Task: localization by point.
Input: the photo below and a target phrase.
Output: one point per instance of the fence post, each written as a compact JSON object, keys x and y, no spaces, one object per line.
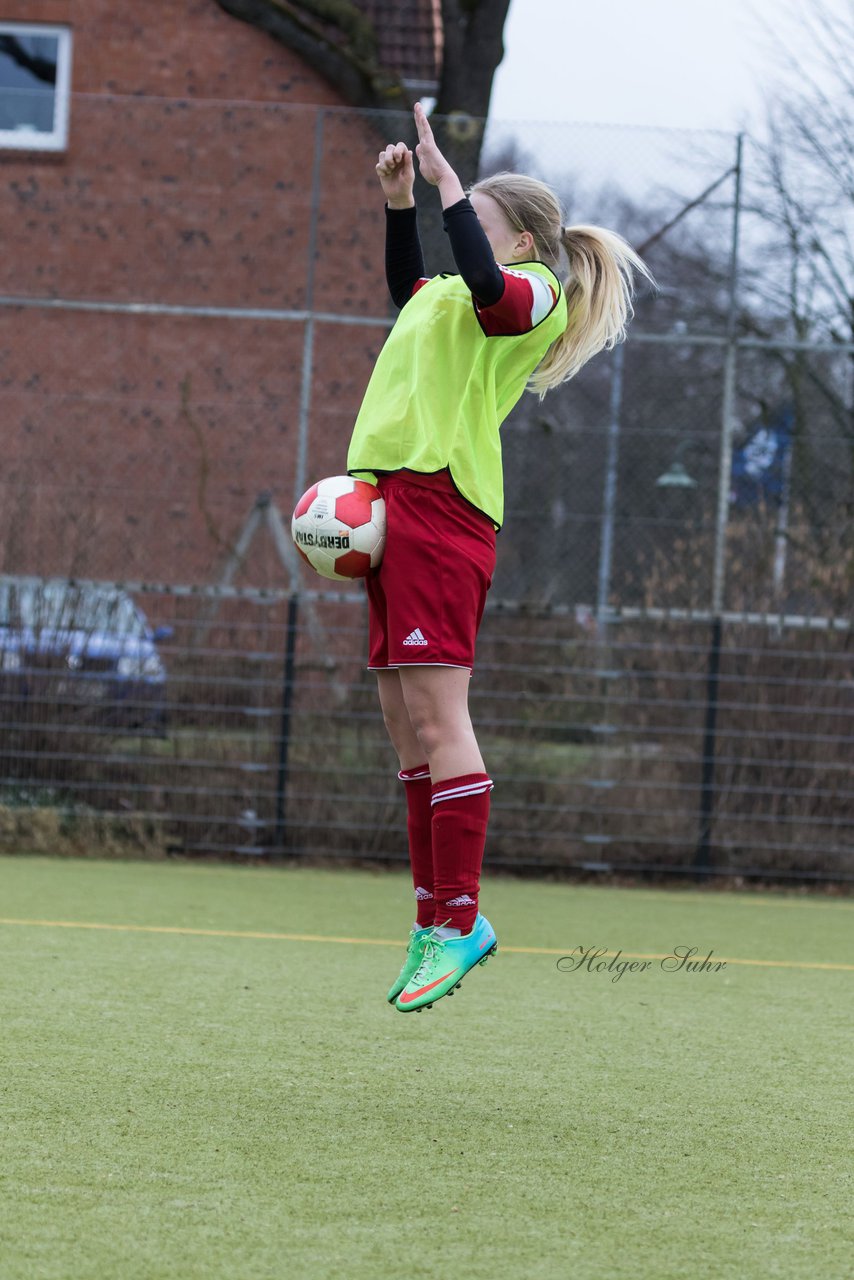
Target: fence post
{"x":301,"y":467}
{"x":703,"y":853}
{"x":609,"y":496}
{"x":285,"y":724}
{"x":728,"y":405}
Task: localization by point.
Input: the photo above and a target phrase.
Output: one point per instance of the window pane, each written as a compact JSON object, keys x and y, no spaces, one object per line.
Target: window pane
{"x":28,"y":66}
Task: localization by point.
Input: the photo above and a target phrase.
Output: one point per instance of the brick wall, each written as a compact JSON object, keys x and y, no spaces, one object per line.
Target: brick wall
{"x":136,"y":444}
{"x":174,"y":49}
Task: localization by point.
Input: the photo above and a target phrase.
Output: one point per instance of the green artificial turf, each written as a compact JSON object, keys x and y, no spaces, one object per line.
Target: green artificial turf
{"x":210,"y":1105}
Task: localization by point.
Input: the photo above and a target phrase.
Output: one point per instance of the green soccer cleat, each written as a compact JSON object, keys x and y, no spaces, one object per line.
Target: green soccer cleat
{"x":414,"y":956}
{"x":444,"y":964}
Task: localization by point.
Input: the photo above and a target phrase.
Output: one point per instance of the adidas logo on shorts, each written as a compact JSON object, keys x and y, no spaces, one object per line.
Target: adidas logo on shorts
{"x":416,"y":637}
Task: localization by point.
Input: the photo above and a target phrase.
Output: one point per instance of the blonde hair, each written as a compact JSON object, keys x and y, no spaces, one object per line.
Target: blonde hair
{"x":599,"y":285}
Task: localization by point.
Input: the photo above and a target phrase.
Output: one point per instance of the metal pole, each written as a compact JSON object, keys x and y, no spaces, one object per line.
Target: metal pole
{"x":609,"y":497}
{"x":285,"y":724}
{"x":702,"y":857}
{"x":703,"y":853}
{"x":300,"y":470}
{"x":781,"y":534}
{"x":727,"y":423}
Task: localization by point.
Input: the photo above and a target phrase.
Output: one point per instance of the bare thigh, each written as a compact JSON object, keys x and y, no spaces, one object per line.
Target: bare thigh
{"x":436,"y":700}
{"x":397,"y":722}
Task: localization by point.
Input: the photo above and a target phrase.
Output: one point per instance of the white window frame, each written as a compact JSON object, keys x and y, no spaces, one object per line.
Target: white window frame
{"x":32,"y":139}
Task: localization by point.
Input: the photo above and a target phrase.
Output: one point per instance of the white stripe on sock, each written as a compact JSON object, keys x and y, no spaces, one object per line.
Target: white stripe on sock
{"x":455,"y":793}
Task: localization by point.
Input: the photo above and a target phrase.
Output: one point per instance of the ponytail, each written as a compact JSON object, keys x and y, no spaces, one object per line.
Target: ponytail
{"x":599,"y":290}
{"x":600,"y":283}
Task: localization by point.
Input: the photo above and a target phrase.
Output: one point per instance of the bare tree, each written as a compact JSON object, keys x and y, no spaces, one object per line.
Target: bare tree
{"x":805,"y":192}
{"x":802,"y":274}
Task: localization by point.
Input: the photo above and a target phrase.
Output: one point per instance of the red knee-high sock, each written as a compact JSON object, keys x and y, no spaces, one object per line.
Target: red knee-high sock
{"x":419,"y":829}
{"x":460,"y":817}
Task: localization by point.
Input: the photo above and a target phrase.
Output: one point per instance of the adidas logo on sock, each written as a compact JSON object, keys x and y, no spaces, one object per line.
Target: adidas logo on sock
{"x":416,"y":637}
{"x":462,"y":901}
{"x":421,"y":895}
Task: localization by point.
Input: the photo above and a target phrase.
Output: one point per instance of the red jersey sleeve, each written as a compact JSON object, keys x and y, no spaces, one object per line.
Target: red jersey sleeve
{"x":527,"y":299}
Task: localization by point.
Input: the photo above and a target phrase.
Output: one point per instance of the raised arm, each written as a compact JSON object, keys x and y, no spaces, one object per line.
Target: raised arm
{"x":404,"y":262}
{"x":470,"y":247}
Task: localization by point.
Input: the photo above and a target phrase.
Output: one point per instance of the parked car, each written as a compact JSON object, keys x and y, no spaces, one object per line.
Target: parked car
{"x":69,"y":647}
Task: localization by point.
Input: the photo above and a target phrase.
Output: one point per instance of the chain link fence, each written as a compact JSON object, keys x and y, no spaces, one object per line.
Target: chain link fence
{"x":190,"y":306}
{"x":690,"y":745}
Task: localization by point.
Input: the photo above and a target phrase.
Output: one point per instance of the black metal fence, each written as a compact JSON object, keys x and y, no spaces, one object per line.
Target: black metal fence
{"x":673,"y":743}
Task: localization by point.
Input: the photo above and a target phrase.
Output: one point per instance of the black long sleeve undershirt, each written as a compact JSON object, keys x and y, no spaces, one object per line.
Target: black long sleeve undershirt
{"x":473,"y":253}
{"x":404,"y":261}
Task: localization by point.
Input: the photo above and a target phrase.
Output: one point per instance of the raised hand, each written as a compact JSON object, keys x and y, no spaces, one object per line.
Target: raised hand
{"x":396,"y":173}
{"x":433,"y":165}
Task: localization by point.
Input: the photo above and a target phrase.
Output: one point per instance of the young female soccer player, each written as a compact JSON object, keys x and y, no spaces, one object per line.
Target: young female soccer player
{"x":458,"y":358}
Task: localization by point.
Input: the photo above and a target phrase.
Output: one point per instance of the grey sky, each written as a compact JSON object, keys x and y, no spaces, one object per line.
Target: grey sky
{"x":683,"y":63}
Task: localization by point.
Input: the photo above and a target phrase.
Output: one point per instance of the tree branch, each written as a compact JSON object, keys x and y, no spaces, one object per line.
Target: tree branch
{"x":335,"y":39}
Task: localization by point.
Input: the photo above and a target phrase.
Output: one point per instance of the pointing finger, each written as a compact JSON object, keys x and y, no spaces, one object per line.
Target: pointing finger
{"x":425,"y":133}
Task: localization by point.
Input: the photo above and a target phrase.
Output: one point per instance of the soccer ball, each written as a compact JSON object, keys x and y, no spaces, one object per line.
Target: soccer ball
{"x":338,"y":527}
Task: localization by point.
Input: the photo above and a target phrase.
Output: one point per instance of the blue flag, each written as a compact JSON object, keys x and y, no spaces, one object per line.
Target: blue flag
{"x":759,"y":466}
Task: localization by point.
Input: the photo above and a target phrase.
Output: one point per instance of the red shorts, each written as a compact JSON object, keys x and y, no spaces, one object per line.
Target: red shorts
{"x":426,"y":599}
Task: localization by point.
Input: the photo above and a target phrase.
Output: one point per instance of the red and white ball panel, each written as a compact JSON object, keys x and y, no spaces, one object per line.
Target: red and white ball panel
{"x":339,"y":527}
